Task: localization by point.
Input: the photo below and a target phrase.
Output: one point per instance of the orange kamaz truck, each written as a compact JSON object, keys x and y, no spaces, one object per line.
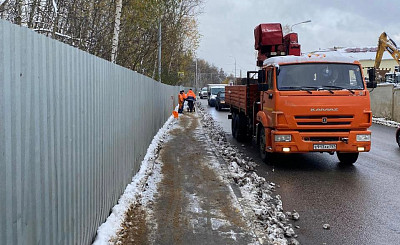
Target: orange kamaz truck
{"x":316,"y":102}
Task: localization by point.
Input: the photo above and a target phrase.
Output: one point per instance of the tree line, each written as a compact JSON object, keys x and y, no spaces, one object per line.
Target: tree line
{"x":121,"y":31}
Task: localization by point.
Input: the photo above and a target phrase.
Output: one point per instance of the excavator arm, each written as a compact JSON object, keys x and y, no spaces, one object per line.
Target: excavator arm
{"x":386,"y":43}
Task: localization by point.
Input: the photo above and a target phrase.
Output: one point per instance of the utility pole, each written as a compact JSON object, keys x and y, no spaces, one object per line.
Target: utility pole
{"x":159,"y":50}
{"x":195,"y":79}
{"x":235,"y":68}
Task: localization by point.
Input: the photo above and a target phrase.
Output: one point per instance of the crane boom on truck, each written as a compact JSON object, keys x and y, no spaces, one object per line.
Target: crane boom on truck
{"x":301,"y":103}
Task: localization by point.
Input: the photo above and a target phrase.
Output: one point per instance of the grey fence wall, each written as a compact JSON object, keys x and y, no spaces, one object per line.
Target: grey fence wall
{"x":385,"y":102}
{"x":73,"y":131}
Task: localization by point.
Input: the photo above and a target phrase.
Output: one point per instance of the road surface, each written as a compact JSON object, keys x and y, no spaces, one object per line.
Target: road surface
{"x":361,"y":203}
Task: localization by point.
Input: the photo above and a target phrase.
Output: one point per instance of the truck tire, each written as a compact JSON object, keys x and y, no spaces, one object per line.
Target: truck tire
{"x":240,"y":127}
{"x":347,"y":158}
{"x":236,"y":127}
{"x":398,"y":137}
{"x":233,"y":124}
{"x":263,"y":153}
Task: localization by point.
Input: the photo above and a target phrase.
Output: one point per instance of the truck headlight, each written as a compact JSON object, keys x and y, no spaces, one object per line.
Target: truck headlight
{"x":363,"y":137}
{"x":283,"y":138}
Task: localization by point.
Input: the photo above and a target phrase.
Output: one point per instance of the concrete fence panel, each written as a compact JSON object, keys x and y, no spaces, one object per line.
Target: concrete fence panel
{"x":396,"y":105}
{"x":73,"y":131}
{"x":382,"y":101}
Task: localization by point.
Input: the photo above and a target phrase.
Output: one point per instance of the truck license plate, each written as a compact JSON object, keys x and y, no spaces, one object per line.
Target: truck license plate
{"x":325,"y":147}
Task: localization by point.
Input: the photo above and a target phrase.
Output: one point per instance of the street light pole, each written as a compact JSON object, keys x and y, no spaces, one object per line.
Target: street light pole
{"x":303,"y":22}
{"x":235,"y":66}
{"x":195,"y":80}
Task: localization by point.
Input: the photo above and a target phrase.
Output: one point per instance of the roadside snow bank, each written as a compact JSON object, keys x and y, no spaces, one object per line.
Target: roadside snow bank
{"x":386,"y":122}
{"x":265,"y":208}
{"x":134,"y":191}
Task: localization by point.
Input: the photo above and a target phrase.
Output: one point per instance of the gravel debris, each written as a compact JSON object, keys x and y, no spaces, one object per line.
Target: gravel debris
{"x":326,"y":226}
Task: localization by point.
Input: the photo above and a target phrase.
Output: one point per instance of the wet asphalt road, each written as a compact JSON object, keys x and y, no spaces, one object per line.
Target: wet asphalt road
{"x":361,"y":203}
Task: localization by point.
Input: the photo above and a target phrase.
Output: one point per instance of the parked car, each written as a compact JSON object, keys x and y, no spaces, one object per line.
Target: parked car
{"x":398,"y":136}
{"x":203,"y":93}
{"x":212,"y":91}
{"x":220,"y":101}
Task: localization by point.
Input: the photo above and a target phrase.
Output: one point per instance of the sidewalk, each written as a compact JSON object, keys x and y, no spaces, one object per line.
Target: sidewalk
{"x":200,"y":191}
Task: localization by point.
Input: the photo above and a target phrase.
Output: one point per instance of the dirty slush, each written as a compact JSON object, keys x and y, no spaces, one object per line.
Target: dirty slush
{"x":209,"y":193}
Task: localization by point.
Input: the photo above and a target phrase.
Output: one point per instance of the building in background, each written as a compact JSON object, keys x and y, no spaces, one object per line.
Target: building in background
{"x":366,"y":56}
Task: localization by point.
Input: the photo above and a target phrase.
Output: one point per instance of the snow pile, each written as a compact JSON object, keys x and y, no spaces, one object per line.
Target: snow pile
{"x":256,"y":191}
{"x":141,"y":189}
{"x":386,"y":122}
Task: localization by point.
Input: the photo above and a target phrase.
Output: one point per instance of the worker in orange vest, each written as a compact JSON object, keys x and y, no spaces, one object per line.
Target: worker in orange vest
{"x":191,"y":97}
{"x":184,"y":99}
{"x":181,"y":100}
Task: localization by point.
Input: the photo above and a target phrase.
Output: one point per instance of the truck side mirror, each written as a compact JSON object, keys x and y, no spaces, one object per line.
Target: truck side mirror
{"x":263,"y":87}
{"x":261,"y":76}
{"x":372,"y":78}
{"x":372,"y":74}
{"x":372,"y":84}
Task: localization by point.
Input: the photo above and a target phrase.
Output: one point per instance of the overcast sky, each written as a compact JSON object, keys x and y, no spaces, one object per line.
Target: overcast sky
{"x":227,"y":26}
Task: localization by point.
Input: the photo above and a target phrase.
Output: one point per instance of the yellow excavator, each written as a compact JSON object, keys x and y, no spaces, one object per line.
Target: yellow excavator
{"x":385,"y":43}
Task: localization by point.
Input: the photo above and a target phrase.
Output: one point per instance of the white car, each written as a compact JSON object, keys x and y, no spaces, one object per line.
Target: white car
{"x":203,"y":93}
{"x":213,"y":91}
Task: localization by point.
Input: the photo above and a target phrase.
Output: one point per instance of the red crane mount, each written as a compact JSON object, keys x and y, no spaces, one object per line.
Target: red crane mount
{"x":269,"y":41}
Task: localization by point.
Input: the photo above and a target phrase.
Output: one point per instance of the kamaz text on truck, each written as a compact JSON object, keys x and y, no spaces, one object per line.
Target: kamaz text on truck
{"x":301,"y":103}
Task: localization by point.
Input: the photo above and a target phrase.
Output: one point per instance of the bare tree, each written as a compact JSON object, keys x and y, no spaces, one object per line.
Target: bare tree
{"x":117,"y":24}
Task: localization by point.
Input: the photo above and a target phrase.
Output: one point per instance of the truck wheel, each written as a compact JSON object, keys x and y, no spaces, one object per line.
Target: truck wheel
{"x":398,"y":137}
{"x":347,"y":158}
{"x":233,"y":125}
{"x":263,"y":153}
{"x":240,"y":127}
{"x":236,"y":134}
{"x":216,"y":107}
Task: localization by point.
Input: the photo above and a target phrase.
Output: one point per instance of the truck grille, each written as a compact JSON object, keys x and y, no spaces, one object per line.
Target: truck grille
{"x":331,"y":120}
{"x":321,"y":139}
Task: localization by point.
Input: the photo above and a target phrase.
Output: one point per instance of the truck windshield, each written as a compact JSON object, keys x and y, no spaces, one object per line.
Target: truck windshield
{"x":216,"y":90}
{"x":319,"y":76}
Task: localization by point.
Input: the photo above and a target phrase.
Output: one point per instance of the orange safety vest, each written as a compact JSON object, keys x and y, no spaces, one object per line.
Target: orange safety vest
{"x":181,"y":98}
{"x":191,"y":94}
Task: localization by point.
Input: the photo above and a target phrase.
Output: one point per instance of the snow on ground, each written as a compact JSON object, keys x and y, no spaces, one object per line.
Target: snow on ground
{"x":386,"y":122}
{"x":263,"y":209}
{"x":143,"y":186}
{"x":395,"y":85}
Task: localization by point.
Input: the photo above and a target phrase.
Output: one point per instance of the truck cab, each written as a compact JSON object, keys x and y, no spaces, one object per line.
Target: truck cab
{"x":212,"y":91}
{"x":314,"y":103}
